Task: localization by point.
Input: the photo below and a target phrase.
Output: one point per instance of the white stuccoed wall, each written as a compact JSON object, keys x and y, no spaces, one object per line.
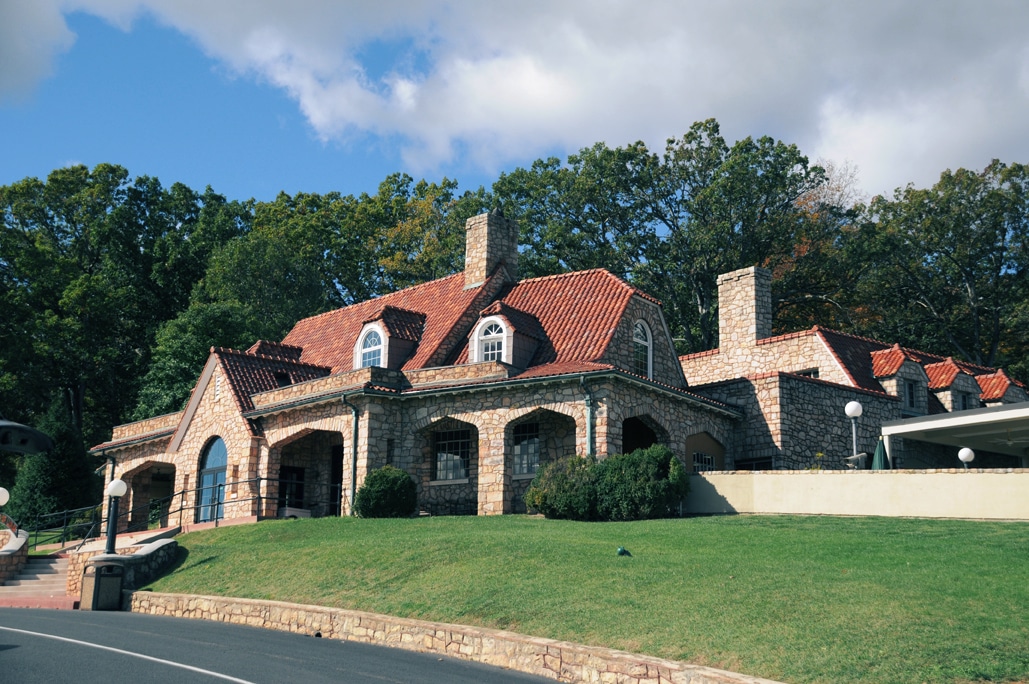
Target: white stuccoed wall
{"x":1001,"y":494}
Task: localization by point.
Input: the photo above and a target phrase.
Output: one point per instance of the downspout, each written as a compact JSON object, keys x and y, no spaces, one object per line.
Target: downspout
{"x":589,"y":416}
{"x":353,"y":452}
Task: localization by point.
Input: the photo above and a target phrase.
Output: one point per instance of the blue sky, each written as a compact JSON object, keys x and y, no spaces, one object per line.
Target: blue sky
{"x":254,"y":97}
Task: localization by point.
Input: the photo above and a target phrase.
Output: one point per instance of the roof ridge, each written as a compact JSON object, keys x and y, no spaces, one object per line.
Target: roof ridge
{"x":590,"y":271}
{"x":264,"y":357}
{"x":380,"y":298}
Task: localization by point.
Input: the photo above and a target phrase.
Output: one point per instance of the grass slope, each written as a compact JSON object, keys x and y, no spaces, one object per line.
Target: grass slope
{"x":798,"y":599}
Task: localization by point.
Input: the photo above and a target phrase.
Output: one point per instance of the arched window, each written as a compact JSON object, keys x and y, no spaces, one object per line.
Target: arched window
{"x":491,"y":343}
{"x":371,"y":349}
{"x":641,"y":358}
{"x":211,"y":491}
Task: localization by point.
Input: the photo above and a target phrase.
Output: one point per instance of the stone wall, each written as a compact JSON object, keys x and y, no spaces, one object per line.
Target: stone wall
{"x":14,"y":553}
{"x":142,"y":427}
{"x":665,"y":363}
{"x":558,"y":660}
{"x":814,"y":432}
{"x":981,"y":494}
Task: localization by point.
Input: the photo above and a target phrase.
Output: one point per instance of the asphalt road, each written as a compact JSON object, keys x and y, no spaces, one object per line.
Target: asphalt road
{"x":82,"y":647}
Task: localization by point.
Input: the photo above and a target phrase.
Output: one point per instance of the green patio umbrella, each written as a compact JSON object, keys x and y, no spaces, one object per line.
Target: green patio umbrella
{"x":879,"y":460}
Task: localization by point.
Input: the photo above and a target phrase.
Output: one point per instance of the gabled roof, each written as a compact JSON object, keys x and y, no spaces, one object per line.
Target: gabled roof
{"x":522,"y":322}
{"x":400,"y":323}
{"x":252,"y":373}
{"x":942,"y":374}
{"x":577,"y":312}
{"x":328,"y":339}
{"x":995,"y":385}
{"x":887,"y":362}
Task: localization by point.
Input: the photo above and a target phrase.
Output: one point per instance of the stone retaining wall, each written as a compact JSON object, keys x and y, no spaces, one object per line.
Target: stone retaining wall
{"x":14,"y":555}
{"x":558,"y":660}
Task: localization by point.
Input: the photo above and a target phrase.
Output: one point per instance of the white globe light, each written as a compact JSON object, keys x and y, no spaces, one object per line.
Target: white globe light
{"x":5,"y":496}
{"x":966,"y":455}
{"x":852,"y":409}
{"x":117,"y":488}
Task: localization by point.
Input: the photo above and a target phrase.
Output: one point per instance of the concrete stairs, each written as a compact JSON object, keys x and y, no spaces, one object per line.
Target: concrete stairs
{"x":41,"y":584}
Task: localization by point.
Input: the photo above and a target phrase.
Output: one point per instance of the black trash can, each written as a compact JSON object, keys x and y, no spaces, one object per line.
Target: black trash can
{"x":101,"y":585}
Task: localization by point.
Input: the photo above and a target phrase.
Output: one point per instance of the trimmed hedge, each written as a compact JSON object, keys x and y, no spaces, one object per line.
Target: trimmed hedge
{"x":386,"y":493}
{"x":645,"y":484}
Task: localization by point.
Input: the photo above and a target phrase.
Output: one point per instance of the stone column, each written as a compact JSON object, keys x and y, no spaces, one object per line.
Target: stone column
{"x":494,"y":480}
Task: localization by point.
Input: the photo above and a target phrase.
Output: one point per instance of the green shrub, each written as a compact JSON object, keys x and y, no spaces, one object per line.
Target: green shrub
{"x":386,"y":493}
{"x":638,"y":486}
{"x":647,"y":483}
{"x":564,"y":489}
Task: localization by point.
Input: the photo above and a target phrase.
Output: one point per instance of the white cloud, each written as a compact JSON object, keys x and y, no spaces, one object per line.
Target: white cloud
{"x":32,"y":34}
{"x":902,"y":89}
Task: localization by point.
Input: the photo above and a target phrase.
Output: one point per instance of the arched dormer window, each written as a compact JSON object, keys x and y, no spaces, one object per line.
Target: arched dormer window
{"x":641,"y":349}
{"x":491,"y":341}
{"x":371,"y":348}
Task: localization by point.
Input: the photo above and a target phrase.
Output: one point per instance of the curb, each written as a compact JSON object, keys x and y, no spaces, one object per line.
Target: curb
{"x":559,"y":660}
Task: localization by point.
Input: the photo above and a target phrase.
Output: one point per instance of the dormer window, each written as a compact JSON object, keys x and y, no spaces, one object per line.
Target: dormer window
{"x":492,"y":341}
{"x":641,"y":348}
{"x":371,"y":349}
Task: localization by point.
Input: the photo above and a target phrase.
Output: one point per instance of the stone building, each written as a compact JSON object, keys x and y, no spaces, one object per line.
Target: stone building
{"x":469,"y":383}
{"x":793,"y":388}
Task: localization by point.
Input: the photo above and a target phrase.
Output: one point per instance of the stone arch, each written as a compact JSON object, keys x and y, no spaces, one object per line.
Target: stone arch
{"x":447,"y":473}
{"x":532,"y":439}
{"x":704,"y":453}
{"x":642,"y":431}
{"x":309,"y":478}
{"x":150,"y":495}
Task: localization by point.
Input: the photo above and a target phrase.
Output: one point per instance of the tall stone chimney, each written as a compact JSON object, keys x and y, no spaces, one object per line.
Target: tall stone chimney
{"x":490,"y":239}
{"x":744,"y":307}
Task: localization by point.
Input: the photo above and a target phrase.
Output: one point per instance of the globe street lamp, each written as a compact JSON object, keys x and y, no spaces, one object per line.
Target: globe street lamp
{"x":966,"y":456}
{"x":5,"y":496}
{"x":115,"y":490}
{"x":853,"y":411}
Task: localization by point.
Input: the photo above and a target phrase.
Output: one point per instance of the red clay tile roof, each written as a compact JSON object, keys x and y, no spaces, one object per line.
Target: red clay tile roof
{"x":275,"y":350}
{"x":887,"y":362}
{"x":328,"y":339}
{"x":525,"y":323}
{"x":578,"y":311}
{"x":249,"y":374}
{"x":994,"y":385}
{"x":400,"y":323}
{"x":942,"y":374}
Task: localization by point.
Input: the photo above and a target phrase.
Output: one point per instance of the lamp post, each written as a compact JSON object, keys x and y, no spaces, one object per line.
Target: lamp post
{"x":115,"y":490}
{"x":966,"y":456}
{"x":853,"y":411}
{"x":5,"y":496}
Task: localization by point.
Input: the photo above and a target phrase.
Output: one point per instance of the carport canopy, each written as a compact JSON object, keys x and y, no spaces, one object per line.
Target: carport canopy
{"x":1000,"y":429}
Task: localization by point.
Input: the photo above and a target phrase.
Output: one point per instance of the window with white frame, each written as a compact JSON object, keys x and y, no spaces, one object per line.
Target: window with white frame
{"x":371,"y":349}
{"x":491,"y":343}
{"x":641,"y":348}
{"x":526,"y":454}
{"x":453,"y":450}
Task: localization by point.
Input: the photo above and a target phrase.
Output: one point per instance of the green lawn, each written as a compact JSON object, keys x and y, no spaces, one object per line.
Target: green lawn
{"x":798,"y":599}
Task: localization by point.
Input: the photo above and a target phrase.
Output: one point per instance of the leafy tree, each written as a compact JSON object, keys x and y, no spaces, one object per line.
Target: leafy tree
{"x":61,"y":479}
{"x":948,"y":266}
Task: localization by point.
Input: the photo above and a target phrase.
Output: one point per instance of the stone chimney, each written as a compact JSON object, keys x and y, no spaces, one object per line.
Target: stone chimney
{"x":490,"y":240}
{"x":744,"y":307}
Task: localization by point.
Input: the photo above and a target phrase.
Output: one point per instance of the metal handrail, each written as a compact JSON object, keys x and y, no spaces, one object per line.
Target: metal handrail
{"x":324,"y":500}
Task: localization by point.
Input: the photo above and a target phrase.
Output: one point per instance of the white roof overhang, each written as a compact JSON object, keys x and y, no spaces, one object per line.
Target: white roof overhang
{"x":1000,"y":429}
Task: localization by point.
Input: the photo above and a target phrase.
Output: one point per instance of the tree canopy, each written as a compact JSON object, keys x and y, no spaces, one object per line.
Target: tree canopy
{"x":114,"y":289}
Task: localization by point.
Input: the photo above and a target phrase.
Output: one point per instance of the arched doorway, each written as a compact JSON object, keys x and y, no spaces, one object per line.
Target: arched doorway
{"x":637,"y":434}
{"x":211,"y":482}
